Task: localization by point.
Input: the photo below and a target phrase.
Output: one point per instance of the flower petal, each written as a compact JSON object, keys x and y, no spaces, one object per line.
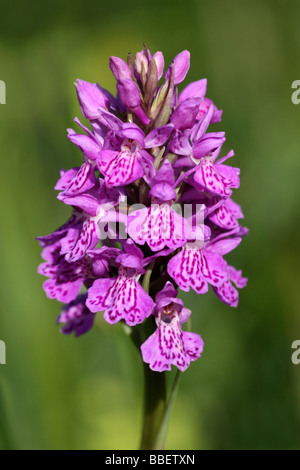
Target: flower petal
{"x":120,"y":168}
{"x":229,"y":175}
{"x":83,"y":181}
{"x":77,"y":317}
{"x":227,"y":293}
{"x":210,"y":142}
{"x":88,"y":146}
{"x":185,"y":269}
{"x":168,"y":345}
{"x":181,"y":67}
{"x":209,"y":179}
{"x":159,"y":226}
{"x":122,"y":298}
{"x":160,"y":63}
{"x":119,"y":68}
{"x":222,"y":217}
{"x":90,"y":99}
{"x":65,"y":178}
{"x":193,"y":90}
{"x":184,"y":116}
{"x":62,"y":292}
{"x":158,"y":136}
{"x":87,"y":240}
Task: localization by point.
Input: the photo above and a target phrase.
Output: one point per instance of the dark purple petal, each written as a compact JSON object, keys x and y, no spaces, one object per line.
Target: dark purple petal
{"x":146,"y":162}
{"x":68,"y":242}
{"x":131,"y":249}
{"x":200,"y":128}
{"x":47,"y":240}
{"x":166,"y":296}
{"x":130,"y":261}
{"x":109,"y":119}
{"x":77,"y":317}
{"x":165,"y":174}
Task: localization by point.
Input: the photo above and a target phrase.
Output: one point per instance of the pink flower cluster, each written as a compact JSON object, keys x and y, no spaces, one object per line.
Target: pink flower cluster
{"x":148,"y":160}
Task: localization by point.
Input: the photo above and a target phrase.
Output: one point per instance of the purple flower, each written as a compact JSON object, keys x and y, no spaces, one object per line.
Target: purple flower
{"x":91,"y":98}
{"x":65,"y":278}
{"x":169,"y":345}
{"x":226,"y":291}
{"x":226,"y":215}
{"x":97,"y":209}
{"x":76,"y":317}
{"x":131,"y":98}
{"x":78,"y":180}
{"x":121,"y":298}
{"x":151,"y":205}
{"x":196,"y":266}
{"x":215,"y":177}
{"x":181,"y":67}
{"x":159,"y":226}
{"x":124,"y":158}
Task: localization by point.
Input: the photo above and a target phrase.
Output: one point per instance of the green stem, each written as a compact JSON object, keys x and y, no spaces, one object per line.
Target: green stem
{"x":154,"y":406}
{"x":165,"y":421}
{"x":157,"y":409}
{"x":157,"y":406}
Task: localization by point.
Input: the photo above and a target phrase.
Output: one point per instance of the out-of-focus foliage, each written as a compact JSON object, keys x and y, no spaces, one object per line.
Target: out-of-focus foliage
{"x":59,"y":392}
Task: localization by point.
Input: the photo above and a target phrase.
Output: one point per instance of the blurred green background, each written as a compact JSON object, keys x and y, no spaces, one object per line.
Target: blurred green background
{"x":59,"y":392}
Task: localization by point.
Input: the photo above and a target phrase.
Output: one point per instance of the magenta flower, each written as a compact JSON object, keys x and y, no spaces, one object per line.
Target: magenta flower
{"x":169,"y":345}
{"x":76,"y":317}
{"x":151,"y":207}
{"x":124,"y":158}
{"x":226,"y":291}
